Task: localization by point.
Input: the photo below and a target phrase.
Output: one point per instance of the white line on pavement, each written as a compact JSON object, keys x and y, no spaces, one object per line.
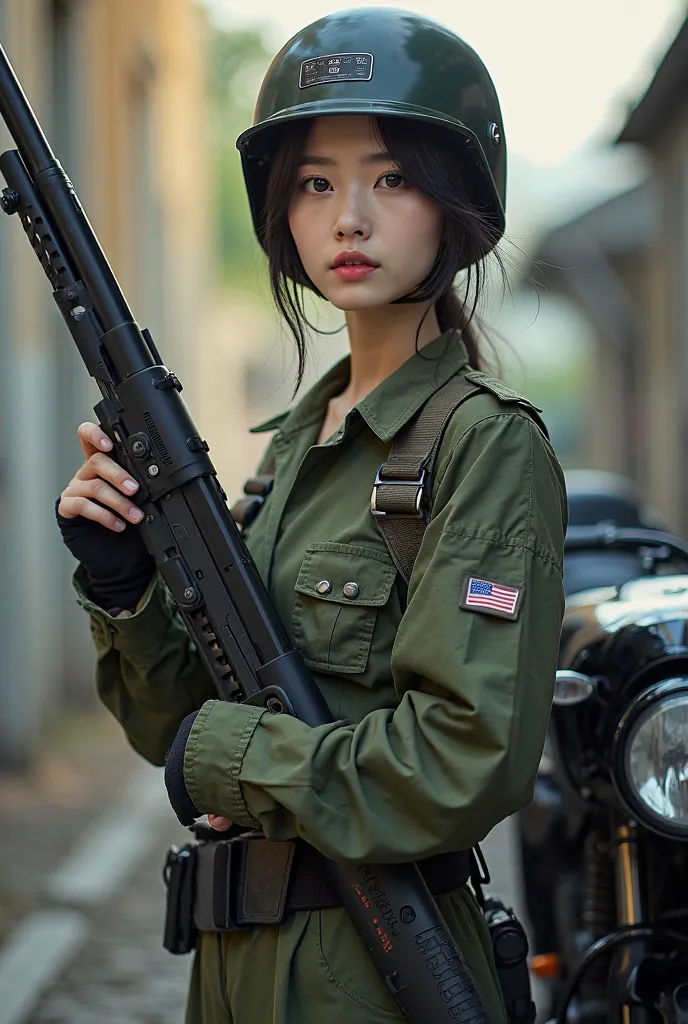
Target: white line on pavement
{"x":36,"y":954}
{"x":107,"y":853}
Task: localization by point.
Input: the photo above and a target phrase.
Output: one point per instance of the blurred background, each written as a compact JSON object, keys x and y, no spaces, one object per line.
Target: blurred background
{"x":142,"y":101}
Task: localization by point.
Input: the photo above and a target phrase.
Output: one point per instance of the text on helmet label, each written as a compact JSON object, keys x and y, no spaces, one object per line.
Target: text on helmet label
{"x":336,"y":67}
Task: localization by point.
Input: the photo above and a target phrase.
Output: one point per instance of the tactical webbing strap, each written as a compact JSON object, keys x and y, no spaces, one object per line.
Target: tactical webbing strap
{"x":402,"y":491}
{"x":250,"y":880}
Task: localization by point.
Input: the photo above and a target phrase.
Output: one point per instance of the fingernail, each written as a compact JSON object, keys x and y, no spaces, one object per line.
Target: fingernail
{"x":119,"y":526}
{"x":136,"y":514}
{"x":130,"y":485}
{"x":221,"y":824}
{"x":105,"y":444}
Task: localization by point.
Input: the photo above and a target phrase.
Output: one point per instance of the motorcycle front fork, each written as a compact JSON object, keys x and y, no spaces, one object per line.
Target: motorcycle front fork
{"x":630,"y":909}
{"x":635,"y":974}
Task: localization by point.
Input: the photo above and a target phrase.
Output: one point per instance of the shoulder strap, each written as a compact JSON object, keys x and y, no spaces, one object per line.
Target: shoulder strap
{"x":402,"y":487}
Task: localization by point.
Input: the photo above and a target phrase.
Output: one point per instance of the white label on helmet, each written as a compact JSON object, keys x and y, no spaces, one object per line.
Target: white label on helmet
{"x":336,"y":67}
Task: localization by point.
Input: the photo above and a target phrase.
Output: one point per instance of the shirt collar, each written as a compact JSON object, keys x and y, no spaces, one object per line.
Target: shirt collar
{"x":392,"y":403}
{"x":396,"y":399}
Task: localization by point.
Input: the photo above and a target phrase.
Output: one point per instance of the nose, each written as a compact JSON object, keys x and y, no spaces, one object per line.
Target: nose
{"x":353,"y":218}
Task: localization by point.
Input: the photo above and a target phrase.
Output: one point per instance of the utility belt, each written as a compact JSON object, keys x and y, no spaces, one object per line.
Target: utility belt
{"x":230,"y":885}
{"x":241,"y":880}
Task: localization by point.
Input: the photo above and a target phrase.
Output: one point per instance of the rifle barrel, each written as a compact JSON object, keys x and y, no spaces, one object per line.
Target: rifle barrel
{"x":57,"y":192}
{"x":19,"y":117}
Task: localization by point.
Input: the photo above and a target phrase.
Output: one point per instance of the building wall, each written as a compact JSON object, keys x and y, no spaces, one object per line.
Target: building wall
{"x":634,"y":398}
{"x":606,"y":293}
{"x":637,"y":304}
{"x":666,"y":366}
{"x":616,"y":441}
{"x":25,"y":422}
{"x":606,"y":445}
{"x":147,"y":175}
{"x":119,"y":86}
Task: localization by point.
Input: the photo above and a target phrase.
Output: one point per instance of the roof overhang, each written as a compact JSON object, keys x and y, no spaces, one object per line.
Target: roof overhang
{"x":664,"y":96}
{"x":619,"y":227}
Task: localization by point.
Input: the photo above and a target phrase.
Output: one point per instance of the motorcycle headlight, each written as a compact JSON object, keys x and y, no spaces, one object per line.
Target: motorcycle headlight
{"x":651,"y":745}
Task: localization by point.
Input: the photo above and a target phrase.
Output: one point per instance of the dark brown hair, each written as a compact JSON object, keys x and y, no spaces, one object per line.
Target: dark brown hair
{"x":430,"y":158}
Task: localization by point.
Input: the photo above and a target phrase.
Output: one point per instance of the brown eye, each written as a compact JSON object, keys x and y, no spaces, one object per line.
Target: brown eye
{"x":315,"y":184}
{"x":391,"y":180}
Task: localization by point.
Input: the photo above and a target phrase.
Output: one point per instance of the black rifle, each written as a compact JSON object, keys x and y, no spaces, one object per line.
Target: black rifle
{"x":201,"y":555}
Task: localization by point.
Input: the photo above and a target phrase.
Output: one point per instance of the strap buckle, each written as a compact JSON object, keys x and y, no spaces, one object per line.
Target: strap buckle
{"x":418,"y":501}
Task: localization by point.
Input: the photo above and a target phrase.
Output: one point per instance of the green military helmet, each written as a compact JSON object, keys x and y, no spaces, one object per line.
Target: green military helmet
{"x":382,"y":61}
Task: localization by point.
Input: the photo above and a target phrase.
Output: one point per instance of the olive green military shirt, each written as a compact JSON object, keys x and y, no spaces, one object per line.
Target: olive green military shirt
{"x":440,"y":709}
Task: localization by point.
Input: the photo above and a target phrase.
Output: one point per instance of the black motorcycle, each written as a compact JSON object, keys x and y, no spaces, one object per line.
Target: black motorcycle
{"x":605,"y":840}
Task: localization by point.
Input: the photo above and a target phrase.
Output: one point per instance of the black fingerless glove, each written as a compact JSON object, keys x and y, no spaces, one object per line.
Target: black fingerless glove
{"x":182,"y":804}
{"x":118,"y":565}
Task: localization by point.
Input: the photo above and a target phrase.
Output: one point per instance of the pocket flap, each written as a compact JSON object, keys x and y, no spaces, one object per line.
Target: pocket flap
{"x":346,"y":574}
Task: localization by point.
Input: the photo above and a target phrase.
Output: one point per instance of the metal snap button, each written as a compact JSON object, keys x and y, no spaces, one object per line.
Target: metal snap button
{"x":351,"y":590}
{"x":324,"y":587}
{"x":494,"y":134}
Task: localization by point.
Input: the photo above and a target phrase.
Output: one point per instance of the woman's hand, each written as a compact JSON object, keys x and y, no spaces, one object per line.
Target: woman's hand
{"x":100,"y":480}
{"x":94,"y":506}
{"x":218,"y":823}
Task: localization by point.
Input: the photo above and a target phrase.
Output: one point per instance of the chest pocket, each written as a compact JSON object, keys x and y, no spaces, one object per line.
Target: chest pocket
{"x":339,"y":592}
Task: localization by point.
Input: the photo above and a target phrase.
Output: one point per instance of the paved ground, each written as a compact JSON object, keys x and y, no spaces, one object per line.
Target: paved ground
{"x":85,"y":762}
{"x":112,"y":968}
{"x":123,"y":975}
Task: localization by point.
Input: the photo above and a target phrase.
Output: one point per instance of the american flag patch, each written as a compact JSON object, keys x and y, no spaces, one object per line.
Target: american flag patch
{"x":481,"y":595}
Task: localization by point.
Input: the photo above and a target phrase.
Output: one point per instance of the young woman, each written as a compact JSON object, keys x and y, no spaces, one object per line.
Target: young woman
{"x":376,"y":173}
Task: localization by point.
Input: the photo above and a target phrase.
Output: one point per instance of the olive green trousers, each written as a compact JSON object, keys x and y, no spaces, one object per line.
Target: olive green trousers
{"x":313,"y":969}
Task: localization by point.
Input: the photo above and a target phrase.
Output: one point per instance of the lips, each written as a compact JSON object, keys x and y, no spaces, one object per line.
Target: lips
{"x":354,"y":257}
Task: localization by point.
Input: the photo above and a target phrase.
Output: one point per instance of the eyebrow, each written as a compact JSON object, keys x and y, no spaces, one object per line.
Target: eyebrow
{"x":327,"y":161}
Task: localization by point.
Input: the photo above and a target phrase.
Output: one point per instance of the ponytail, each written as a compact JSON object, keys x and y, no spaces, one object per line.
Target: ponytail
{"x":452,"y":314}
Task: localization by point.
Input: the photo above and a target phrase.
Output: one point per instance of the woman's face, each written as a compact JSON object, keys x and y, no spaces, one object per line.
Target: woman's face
{"x":351,"y":203}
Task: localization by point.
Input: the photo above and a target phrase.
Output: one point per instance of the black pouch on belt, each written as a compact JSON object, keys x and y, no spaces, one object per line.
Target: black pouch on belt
{"x":241,"y":883}
{"x":179,"y":875}
{"x":510,"y":948}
